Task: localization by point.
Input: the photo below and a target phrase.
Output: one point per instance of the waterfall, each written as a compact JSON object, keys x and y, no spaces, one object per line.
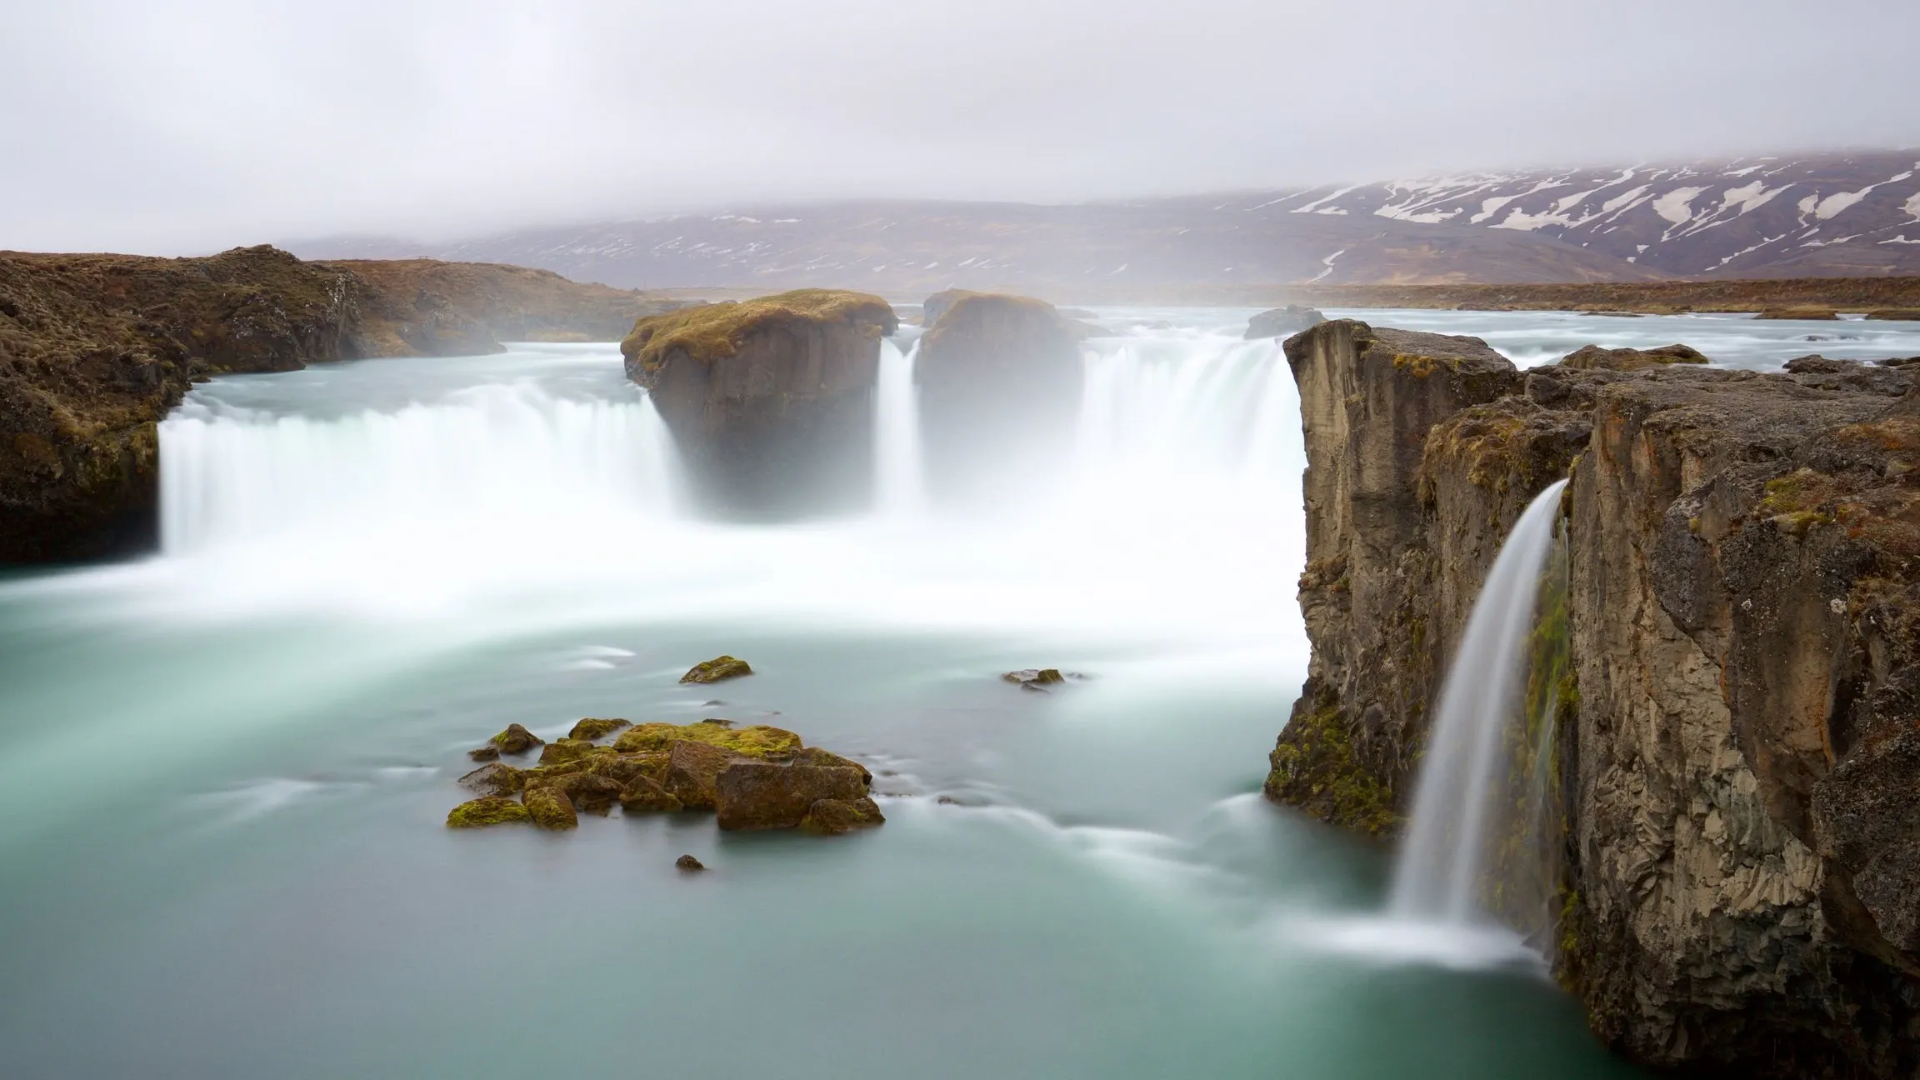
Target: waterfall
{"x":1463,"y":777}
{"x":898,"y":481}
{"x":492,"y":461}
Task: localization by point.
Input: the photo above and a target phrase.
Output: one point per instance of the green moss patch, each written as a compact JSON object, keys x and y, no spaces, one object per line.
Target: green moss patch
{"x":711,"y":331}
{"x":1314,"y":768}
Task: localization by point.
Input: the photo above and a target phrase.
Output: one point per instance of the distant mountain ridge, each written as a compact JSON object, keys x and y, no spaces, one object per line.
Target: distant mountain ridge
{"x":1838,"y":214}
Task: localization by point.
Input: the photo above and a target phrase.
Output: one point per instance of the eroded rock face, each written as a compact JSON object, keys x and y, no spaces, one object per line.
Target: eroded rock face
{"x":1283,"y":322}
{"x":772,"y":795}
{"x":1000,"y":384}
{"x":1737,"y":759}
{"x":770,"y":400}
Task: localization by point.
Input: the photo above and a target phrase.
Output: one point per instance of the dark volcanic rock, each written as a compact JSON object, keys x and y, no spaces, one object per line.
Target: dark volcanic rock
{"x":494,"y":779}
{"x":1000,"y":385}
{"x":1738,"y":781}
{"x":590,"y":728}
{"x":769,"y":795}
{"x":770,"y":401}
{"x":516,"y":740}
{"x":1595,"y":358}
{"x":834,"y":817}
{"x":1283,"y":322}
{"x":688,"y":862}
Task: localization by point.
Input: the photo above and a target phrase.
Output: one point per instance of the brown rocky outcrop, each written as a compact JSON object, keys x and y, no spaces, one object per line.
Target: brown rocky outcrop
{"x":769,"y":400}
{"x":1000,"y":384}
{"x":1743,"y":837}
{"x":95,"y":349}
{"x":774,"y":795}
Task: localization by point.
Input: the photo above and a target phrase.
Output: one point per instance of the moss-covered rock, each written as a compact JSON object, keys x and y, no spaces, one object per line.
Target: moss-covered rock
{"x":1314,"y":767}
{"x":488,"y":752}
{"x":759,"y":740}
{"x":516,"y":740}
{"x":689,"y":863}
{"x":491,"y":810}
{"x":564,"y":750}
{"x":1035,"y":678}
{"x":693,"y":770}
{"x":550,"y":808}
{"x":643,"y":795}
{"x":622,"y":768}
{"x":494,"y":779}
{"x":833,"y":817}
{"x":718,"y":669}
{"x":591,"y":729}
{"x":813,"y":755}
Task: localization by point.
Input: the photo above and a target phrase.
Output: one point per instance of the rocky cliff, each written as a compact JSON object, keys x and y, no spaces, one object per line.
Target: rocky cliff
{"x":1739,"y":762}
{"x":1000,"y":384}
{"x":94,"y":349}
{"x":769,"y":400}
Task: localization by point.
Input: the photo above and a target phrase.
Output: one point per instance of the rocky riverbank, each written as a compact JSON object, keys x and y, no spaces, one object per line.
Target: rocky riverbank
{"x":1738,"y":752}
{"x":95,"y":349}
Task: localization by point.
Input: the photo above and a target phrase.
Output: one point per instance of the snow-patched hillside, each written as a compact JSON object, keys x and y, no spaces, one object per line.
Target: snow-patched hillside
{"x":1763,"y":216}
{"x":1814,"y":215}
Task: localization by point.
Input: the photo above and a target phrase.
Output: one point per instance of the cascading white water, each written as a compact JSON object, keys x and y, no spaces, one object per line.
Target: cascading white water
{"x":1463,"y":773}
{"x":487,"y":460}
{"x":899,"y":482}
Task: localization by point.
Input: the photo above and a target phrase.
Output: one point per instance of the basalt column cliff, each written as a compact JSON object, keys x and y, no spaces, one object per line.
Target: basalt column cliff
{"x":1740,"y":735}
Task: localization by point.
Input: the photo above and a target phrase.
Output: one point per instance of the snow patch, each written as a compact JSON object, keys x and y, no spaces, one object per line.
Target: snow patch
{"x":1314,"y":206}
{"x":1674,"y":205}
{"x":1622,"y":199}
{"x":1836,"y":204}
{"x":1328,"y":263}
{"x":1901,"y":239}
{"x":1490,"y":207}
{"x":1913,"y":206}
{"x":1751,"y":197}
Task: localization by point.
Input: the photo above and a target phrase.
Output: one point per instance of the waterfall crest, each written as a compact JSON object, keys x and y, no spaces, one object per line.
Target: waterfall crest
{"x":1463,"y":782}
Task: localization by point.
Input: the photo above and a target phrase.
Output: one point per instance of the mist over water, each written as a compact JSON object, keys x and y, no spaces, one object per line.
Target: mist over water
{"x":226,"y":766}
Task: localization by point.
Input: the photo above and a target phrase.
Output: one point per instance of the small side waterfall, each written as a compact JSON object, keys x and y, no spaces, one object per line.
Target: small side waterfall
{"x":899,"y":485}
{"x":1463,"y":787}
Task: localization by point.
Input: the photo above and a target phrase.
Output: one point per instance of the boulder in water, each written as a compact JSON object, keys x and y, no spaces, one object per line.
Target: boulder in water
{"x":564,"y":750}
{"x":772,"y":795}
{"x":550,"y":808}
{"x":693,"y":770}
{"x":1806,"y":312}
{"x":644,"y":795}
{"x":1000,"y":381}
{"x":769,"y":400}
{"x":516,"y":740}
{"x":482,"y":812}
{"x":1283,"y":322}
{"x":688,"y":862}
{"x":759,"y":740}
{"x":591,"y":729}
{"x":494,"y":779}
{"x":718,"y":669}
{"x":1034,"y":678}
{"x":622,"y":768}
{"x":485,"y":753}
{"x":834,"y":817}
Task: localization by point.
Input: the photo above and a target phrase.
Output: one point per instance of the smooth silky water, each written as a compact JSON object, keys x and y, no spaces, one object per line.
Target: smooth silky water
{"x":224,"y":769}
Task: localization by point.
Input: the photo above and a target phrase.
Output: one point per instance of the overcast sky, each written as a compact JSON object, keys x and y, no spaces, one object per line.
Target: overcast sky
{"x":173,"y":127}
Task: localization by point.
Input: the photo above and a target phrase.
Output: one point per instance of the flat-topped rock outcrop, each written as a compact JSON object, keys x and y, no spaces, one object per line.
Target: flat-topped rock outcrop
{"x":769,"y":400}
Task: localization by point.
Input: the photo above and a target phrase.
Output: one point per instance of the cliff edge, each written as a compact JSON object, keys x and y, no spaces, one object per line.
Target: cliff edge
{"x":1739,"y":744}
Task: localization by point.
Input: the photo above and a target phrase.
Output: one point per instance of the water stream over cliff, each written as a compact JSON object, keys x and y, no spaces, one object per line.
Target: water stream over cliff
{"x":1457,"y":818}
{"x":226,"y":767}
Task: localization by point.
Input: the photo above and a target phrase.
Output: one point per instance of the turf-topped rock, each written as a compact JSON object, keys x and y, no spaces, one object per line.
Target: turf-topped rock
{"x":1895,"y":315}
{"x":591,"y":729}
{"x":770,"y":400}
{"x":516,"y":740}
{"x":480,"y":813}
{"x":1595,"y":358}
{"x":644,"y":796}
{"x":718,"y":669}
{"x":1005,"y":365}
{"x":693,"y":771}
{"x":835,"y":817}
{"x":772,"y":795}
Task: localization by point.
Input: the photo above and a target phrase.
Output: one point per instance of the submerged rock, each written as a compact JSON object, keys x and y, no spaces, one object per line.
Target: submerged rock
{"x":550,"y":808}
{"x":770,"y":795}
{"x":591,"y":729}
{"x":517,"y":740}
{"x":688,"y":862}
{"x":718,"y":669}
{"x":1034,"y":678}
{"x":482,"y":812}
{"x":833,"y":817}
{"x":485,"y":753}
{"x":1283,"y":322}
{"x":770,"y":401}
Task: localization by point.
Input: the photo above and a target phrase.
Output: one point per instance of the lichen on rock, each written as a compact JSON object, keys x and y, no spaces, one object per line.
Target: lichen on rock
{"x":482,"y":812}
{"x":718,"y":669}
